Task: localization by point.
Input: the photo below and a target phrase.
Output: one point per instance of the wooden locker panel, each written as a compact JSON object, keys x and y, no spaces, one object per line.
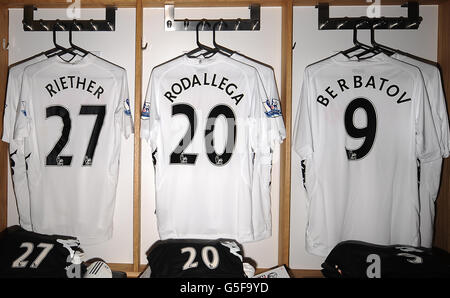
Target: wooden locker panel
{"x":285,"y":155}
{"x":3,"y":146}
{"x":137,"y":138}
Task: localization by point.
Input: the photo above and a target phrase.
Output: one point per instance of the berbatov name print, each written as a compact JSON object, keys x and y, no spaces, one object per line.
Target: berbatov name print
{"x":388,"y":88}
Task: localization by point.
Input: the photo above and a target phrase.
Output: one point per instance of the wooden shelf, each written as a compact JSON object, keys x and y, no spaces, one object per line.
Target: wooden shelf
{"x":295,"y":273}
{"x":128,"y":269}
{"x":64,"y":3}
{"x":132,"y":3}
{"x":200,"y":3}
{"x":362,"y":2}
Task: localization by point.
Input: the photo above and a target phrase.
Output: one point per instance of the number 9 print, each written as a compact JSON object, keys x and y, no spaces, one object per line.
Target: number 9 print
{"x":368,"y":132}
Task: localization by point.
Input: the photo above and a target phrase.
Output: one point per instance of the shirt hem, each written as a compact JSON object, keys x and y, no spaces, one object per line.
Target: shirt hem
{"x":243,"y":239}
{"x":322,"y":252}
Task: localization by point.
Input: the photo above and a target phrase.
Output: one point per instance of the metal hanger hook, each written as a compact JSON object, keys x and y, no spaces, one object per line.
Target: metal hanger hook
{"x":61,"y":26}
{"x":360,"y":24}
{"x":27,"y":25}
{"x":204,"y":21}
{"x":41,"y":22}
{"x":393,"y":25}
{"x":254,"y":25}
{"x":111,"y":27}
{"x":238,"y":23}
{"x":76,"y":25}
{"x":221,"y":23}
{"x":91,"y":22}
{"x":343,"y":23}
{"x":377,"y":24}
{"x":411,"y":25}
{"x":323,"y":25}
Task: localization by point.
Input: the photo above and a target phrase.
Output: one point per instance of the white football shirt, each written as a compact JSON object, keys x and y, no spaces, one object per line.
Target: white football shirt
{"x":16,"y":150}
{"x":71,"y":117}
{"x":262,"y":170}
{"x":361,"y":127}
{"x":205,"y":119}
{"x":430,"y":173}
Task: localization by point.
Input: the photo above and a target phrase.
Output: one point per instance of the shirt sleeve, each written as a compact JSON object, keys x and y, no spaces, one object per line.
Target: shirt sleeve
{"x":437,"y":92}
{"x":150,"y":118}
{"x":10,"y":112}
{"x":278,"y":130}
{"x":260,"y":120}
{"x":302,"y":133}
{"x":427,"y":143}
{"x":123,"y":114}
{"x":24,"y":109}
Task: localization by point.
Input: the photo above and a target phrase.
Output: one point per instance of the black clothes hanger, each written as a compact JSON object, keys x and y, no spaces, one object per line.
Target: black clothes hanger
{"x":222,"y":49}
{"x":208,"y":51}
{"x":59,"y":50}
{"x":73,"y":46}
{"x":374,"y":50}
{"x":49,"y":53}
{"x":385,"y":49}
{"x":357,"y":44}
{"x":376,"y":47}
{"x":56,"y":49}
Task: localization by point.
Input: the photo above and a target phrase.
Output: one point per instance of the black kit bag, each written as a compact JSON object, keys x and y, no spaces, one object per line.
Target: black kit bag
{"x":195,"y":258}
{"x":25,"y":254}
{"x":361,"y":260}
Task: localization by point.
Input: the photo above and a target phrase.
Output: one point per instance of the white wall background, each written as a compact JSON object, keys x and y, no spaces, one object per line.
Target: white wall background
{"x":118,"y":47}
{"x":313,"y":45}
{"x":263,"y":45}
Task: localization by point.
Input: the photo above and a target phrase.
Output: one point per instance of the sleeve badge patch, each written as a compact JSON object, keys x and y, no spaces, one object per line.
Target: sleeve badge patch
{"x":127,"y":107}
{"x":145,"y":113}
{"x":272,"y":108}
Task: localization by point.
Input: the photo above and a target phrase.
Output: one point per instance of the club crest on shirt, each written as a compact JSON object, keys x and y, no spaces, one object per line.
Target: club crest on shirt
{"x":87,"y":161}
{"x":218,"y":160}
{"x":183,"y":159}
{"x":352,"y":155}
{"x":22,"y":108}
{"x":59,"y":161}
{"x":127,"y":110}
{"x":145,"y":113}
{"x":272,"y":108}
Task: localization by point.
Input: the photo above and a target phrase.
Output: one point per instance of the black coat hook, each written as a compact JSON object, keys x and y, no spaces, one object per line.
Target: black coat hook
{"x":29,"y":24}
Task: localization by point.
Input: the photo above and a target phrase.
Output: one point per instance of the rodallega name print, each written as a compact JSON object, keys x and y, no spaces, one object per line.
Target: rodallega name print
{"x":206,"y":79}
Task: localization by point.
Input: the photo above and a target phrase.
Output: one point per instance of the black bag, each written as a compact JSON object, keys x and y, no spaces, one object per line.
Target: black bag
{"x":357,"y":259}
{"x":29,"y":255}
{"x":195,"y":258}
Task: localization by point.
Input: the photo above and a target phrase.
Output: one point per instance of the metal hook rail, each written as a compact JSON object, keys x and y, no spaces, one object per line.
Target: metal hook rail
{"x":412,"y":21}
{"x":30,"y":24}
{"x":252,"y":24}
